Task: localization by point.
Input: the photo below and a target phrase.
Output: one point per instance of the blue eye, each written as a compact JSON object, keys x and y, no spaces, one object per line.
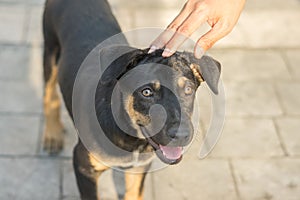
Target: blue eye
{"x":147,"y":92}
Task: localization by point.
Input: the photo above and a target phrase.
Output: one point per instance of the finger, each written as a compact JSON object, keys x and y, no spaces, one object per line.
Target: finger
{"x":161,"y":40}
{"x":218,"y":31}
{"x":180,"y":18}
{"x":166,"y":35}
{"x":186,"y":29}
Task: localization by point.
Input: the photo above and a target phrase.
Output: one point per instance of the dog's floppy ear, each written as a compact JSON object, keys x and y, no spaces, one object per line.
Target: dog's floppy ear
{"x":208,"y":68}
{"x":118,"y":59}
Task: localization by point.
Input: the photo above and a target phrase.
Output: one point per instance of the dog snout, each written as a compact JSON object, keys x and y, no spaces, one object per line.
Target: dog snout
{"x":180,"y":135}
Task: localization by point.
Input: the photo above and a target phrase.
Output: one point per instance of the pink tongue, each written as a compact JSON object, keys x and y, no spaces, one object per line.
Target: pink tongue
{"x":172,"y":153}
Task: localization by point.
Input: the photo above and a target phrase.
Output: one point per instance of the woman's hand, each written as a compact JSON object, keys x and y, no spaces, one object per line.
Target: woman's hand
{"x":221,"y":15}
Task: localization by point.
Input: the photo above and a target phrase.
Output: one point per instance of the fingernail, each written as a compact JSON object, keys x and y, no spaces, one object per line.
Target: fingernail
{"x":199,"y":52}
{"x":152,"y":49}
{"x":167,"y":52}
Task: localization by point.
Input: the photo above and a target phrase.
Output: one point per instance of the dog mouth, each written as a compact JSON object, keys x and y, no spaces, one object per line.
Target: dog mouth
{"x":167,"y":154}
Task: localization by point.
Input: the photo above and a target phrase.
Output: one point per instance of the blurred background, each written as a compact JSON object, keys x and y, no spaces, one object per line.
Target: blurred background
{"x":258,"y":155}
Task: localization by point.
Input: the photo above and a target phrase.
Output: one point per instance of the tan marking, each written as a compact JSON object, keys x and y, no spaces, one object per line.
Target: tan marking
{"x":133,"y":182}
{"x":181,"y":82}
{"x":156,"y":85}
{"x":135,"y":115}
{"x":53,"y":134}
{"x":196,"y":73}
{"x":96,"y":164}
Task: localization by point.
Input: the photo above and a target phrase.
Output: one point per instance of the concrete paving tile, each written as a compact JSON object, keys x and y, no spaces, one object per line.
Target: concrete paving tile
{"x":251,"y":99}
{"x":294,"y":62}
{"x":19,"y":97}
{"x":71,"y":198}
{"x":106,"y":188}
{"x":144,"y":17}
{"x":289,"y":95}
{"x":248,"y":138}
{"x":22,"y":75}
{"x":69,"y":181}
{"x":280,"y":29}
{"x":27,"y":2}
{"x":258,"y":65}
{"x":272,"y":5}
{"x":14,"y":62}
{"x":35,"y":31}
{"x":165,"y":4}
{"x":29,"y":179}
{"x":193,"y":180}
{"x":124,"y":18}
{"x":236,"y":38}
{"x":12,"y":19}
{"x":148,"y":190}
{"x":19,"y":134}
{"x":268,"y":179}
{"x":289,"y":130}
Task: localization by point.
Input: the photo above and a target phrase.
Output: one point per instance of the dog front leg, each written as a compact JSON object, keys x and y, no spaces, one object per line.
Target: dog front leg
{"x":87,"y":170}
{"x":134,"y":183}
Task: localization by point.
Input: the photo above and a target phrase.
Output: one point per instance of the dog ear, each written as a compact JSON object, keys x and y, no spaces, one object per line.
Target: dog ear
{"x":208,"y":68}
{"x":118,"y":59}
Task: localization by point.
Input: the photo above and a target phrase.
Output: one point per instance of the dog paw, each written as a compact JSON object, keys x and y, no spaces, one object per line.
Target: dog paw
{"x":53,"y":140}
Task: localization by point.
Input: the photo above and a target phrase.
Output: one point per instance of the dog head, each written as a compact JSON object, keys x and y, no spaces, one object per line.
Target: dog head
{"x":175,"y":93}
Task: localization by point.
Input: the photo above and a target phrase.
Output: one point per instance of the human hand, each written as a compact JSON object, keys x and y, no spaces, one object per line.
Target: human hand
{"x":221,"y":15}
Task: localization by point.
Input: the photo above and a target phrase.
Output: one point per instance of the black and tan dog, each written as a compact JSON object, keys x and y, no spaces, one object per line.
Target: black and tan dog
{"x":72,"y":28}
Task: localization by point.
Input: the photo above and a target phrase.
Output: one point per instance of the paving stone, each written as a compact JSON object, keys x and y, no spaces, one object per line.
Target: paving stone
{"x":193,"y":180}
{"x":294,"y":62}
{"x":289,"y":131}
{"x":165,"y":4}
{"x":289,"y":95}
{"x":145,"y":17}
{"x":69,"y":181}
{"x":12,"y":19}
{"x":268,"y":179}
{"x":272,"y":5}
{"x":71,"y":198}
{"x":19,"y":134}
{"x":106,"y":186}
{"x":248,"y":138}
{"x":125,"y":18}
{"x":278,"y":30}
{"x":28,"y":2}
{"x":14,"y":63}
{"x":29,"y":178}
{"x":251,"y":99}
{"x":35,"y":34}
{"x":20,"y":97}
{"x":23,"y":76}
{"x":236,"y":38}
{"x":258,"y":65}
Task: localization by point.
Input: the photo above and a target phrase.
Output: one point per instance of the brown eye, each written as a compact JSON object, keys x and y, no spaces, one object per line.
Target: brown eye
{"x":188,"y":90}
{"x":147,"y":92}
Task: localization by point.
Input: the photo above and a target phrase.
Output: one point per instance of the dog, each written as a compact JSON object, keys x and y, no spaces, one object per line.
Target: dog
{"x":72,"y":28}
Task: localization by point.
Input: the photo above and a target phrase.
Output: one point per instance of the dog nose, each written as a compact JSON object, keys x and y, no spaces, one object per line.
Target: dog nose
{"x":181,"y":136}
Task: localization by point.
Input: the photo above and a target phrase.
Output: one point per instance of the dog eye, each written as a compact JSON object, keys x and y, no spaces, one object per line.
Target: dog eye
{"x":147,"y":92}
{"x":188,"y":90}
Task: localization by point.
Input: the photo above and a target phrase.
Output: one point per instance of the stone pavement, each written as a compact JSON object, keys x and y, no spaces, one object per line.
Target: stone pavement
{"x":258,"y":156}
